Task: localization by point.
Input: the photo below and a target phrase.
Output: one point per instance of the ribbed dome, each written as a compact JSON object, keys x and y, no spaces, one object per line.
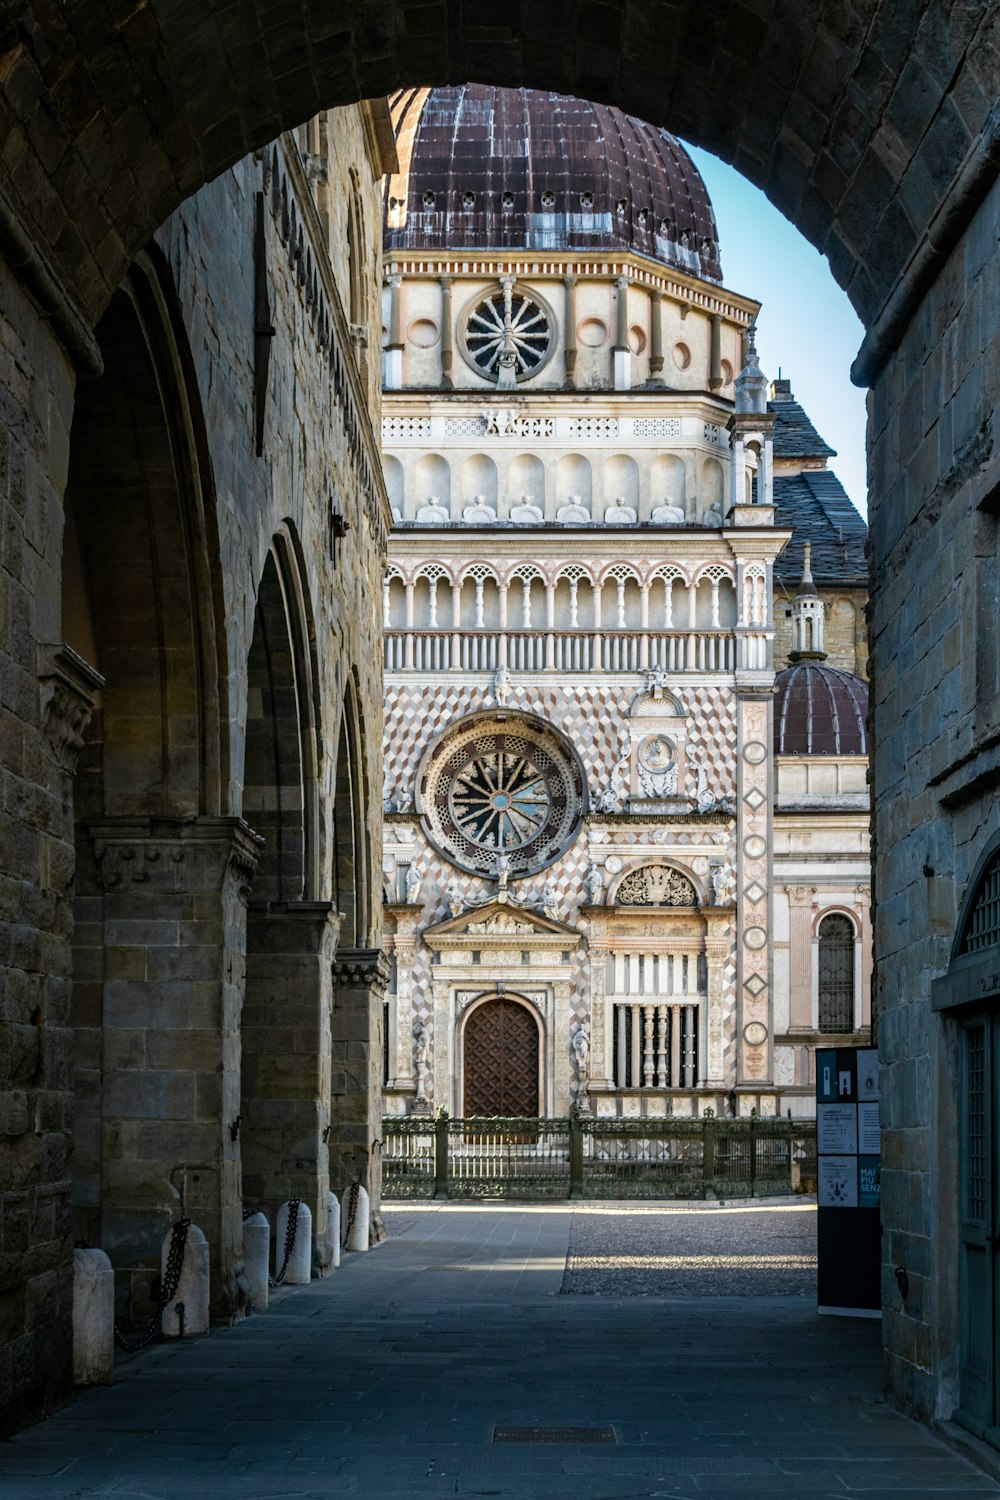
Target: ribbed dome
{"x":820,"y":710}
{"x":499,"y":169}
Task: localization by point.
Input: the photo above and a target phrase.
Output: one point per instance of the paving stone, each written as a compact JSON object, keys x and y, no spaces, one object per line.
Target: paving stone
{"x":326,"y":1394}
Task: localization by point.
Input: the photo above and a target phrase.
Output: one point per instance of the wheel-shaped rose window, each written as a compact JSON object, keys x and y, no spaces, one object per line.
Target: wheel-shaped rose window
{"x":508,"y":329}
{"x":495,"y":787}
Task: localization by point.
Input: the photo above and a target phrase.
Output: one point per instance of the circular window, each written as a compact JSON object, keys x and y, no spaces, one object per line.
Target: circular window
{"x":509,"y":329}
{"x":636,"y":339}
{"x":682,"y":356}
{"x":727,"y":372}
{"x":501,"y":785}
{"x":548,"y":199}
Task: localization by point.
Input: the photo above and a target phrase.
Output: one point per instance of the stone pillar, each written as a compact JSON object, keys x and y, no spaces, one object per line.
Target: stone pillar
{"x":754,"y":875}
{"x":173,"y":911}
{"x":715,"y":381}
{"x":447,"y":338}
{"x":286,"y":1072}
{"x":717,"y":950}
{"x":360,"y":978}
{"x":656,"y":338}
{"x":394,"y":348}
{"x":569,"y":335}
{"x":622,"y":355}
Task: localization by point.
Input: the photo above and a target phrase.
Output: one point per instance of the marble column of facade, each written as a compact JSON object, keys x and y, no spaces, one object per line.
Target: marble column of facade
{"x":173,"y":925}
{"x":569,"y":336}
{"x":718,"y":946}
{"x":360,"y":979}
{"x":447,"y":338}
{"x":656,"y":338}
{"x":286,"y":1067}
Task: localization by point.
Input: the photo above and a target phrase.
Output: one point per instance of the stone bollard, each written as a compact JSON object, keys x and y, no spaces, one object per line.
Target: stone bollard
{"x":298,"y":1271}
{"x":257,"y":1259}
{"x":357,"y":1235}
{"x":186,"y":1314}
{"x":333,"y":1226}
{"x":93,"y":1318}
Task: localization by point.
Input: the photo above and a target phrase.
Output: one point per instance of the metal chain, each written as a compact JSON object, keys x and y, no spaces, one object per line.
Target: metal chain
{"x":168,"y":1290}
{"x":293,"y":1219}
{"x":352,"y":1212}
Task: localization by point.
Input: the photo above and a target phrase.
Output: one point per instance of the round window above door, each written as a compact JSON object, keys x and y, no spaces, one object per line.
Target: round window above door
{"x":501,"y":785}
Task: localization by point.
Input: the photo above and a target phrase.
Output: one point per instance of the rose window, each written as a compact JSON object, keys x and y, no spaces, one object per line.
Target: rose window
{"x":508,"y":331}
{"x":507,"y":789}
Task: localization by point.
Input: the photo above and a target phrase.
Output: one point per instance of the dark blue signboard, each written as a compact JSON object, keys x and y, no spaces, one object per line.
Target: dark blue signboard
{"x":849,"y":1233}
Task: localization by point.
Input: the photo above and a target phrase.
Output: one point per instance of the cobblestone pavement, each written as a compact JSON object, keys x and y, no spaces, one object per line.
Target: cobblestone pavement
{"x":685,"y":1252}
{"x":388,"y":1379}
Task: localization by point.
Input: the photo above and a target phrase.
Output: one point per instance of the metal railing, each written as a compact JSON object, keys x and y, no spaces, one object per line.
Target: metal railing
{"x":580,"y":1156}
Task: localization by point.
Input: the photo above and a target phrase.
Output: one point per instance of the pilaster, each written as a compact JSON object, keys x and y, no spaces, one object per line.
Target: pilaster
{"x":360,"y":977}
{"x":173,"y":912}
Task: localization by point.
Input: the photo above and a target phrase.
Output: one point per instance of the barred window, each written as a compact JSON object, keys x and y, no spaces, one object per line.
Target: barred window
{"x":836,"y":974}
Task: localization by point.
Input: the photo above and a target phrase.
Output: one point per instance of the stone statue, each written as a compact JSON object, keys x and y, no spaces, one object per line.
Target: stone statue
{"x":455,"y":896}
{"x":388,"y":801}
{"x":706,"y":801}
{"x":610,"y":799}
{"x":549,"y":899}
{"x":595,"y":885}
{"x":718,"y":882}
{"x":656,"y":681}
{"x":581,"y":1052}
{"x":421,"y":1051}
{"x":503,"y":875}
{"x":413,"y":883}
{"x":501,"y":686}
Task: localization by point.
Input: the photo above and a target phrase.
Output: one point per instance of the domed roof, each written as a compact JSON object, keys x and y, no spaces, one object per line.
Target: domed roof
{"x":493,"y":168}
{"x":819,"y":710}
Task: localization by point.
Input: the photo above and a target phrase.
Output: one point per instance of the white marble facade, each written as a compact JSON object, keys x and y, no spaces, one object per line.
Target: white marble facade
{"x":587,"y":554}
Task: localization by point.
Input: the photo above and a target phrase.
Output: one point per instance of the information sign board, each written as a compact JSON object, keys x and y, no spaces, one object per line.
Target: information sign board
{"x":848,"y":1178}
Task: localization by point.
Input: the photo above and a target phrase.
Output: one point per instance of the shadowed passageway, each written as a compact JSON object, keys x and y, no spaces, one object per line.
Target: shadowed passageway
{"x":389,"y":1378}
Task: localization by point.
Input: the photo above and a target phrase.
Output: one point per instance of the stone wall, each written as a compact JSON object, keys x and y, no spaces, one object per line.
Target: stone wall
{"x":934,"y":477}
{"x":213,"y":497}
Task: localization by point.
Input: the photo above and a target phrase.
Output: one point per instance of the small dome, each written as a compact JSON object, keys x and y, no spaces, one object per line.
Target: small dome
{"x":820,"y":710}
{"x":498,"y":169}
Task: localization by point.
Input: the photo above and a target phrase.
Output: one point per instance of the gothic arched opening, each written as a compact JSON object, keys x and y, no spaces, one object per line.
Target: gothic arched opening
{"x":152,"y":852}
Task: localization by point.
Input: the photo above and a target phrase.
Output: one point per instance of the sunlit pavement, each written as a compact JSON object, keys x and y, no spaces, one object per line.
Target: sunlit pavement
{"x":389,"y":1378}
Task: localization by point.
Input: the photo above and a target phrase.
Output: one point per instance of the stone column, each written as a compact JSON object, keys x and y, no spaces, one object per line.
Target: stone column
{"x":394,"y":348}
{"x":173,"y":910}
{"x":656,"y":338}
{"x":600,"y":1035}
{"x":622,"y":355}
{"x":715,"y":381}
{"x":569,"y":336}
{"x":360,"y":978}
{"x":447,"y":338}
{"x":285,"y":1096}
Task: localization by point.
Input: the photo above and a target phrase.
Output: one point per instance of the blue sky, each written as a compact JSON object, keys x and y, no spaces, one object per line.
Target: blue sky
{"x":807,"y":326}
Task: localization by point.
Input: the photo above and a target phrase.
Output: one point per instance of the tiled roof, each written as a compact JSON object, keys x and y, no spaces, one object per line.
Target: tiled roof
{"x":794,"y":434}
{"x":814,"y":504}
{"x":819,"y":710}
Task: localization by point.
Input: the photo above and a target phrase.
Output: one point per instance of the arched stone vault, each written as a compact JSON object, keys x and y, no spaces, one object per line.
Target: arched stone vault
{"x":856,"y":120}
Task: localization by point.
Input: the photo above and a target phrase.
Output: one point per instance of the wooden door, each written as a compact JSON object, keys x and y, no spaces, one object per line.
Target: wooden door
{"x":501,"y":1060}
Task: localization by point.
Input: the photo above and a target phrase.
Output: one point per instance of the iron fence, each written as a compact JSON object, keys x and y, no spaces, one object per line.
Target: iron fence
{"x":581,"y":1156}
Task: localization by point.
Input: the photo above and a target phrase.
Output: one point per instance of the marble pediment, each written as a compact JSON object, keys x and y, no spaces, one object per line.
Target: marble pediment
{"x":500,"y":923}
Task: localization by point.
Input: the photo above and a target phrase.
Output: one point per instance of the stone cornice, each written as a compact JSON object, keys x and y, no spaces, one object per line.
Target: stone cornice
{"x":357,"y":968}
{"x":702,"y":296}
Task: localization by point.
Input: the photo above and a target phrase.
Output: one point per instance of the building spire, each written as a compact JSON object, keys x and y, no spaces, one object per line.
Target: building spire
{"x":808,"y":616}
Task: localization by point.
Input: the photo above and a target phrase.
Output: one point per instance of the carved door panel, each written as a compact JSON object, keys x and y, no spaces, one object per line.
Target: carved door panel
{"x":501,"y":1061}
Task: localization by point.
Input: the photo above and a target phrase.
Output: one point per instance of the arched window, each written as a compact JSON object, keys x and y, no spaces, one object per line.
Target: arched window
{"x":836,"y":974}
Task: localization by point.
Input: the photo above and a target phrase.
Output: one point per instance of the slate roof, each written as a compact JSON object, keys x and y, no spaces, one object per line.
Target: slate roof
{"x":815,"y":505}
{"x":794,"y":434}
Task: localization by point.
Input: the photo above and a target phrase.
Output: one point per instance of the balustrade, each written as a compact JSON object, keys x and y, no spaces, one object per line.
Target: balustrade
{"x":569,"y":650}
